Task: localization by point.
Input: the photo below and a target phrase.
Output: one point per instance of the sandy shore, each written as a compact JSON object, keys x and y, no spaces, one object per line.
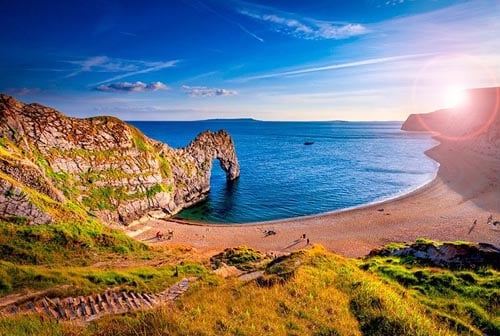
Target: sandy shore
{"x":466,"y":189}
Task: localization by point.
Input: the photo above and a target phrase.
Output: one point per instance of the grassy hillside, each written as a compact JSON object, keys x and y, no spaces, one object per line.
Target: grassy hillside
{"x":311,"y":292}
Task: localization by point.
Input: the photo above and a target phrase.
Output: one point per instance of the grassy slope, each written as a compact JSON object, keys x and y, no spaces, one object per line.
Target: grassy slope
{"x":82,"y":258}
{"x":328,"y":295}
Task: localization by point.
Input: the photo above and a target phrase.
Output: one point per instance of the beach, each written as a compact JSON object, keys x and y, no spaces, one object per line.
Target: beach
{"x":455,"y":205}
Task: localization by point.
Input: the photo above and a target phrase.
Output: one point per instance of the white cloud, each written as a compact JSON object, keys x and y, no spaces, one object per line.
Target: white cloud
{"x":150,"y":67}
{"x":307,"y":28}
{"x":132,"y":87}
{"x":370,"y":61}
{"x":107,"y":64}
{"x":203,"y":91}
{"x":199,"y":5}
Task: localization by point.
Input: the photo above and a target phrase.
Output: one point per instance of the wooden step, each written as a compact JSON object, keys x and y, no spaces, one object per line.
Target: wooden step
{"x":99,"y":303}
{"x":135,"y":300}
{"x":125,"y":298}
{"x":70,"y":306}
{"x":109,"y":303}
{"x":46,"y":308}
{"x":116,"y":301}
{"x":61,"y":313}
{"x":82,"y":307}
{"x":91,"y":305}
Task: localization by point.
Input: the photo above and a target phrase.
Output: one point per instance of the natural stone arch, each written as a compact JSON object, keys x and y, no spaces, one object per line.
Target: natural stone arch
{"x":216,"y":145}
{"x":192,"y":168}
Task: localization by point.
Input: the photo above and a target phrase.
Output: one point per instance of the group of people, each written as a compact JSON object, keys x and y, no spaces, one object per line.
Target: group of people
{"x":160,"y":235}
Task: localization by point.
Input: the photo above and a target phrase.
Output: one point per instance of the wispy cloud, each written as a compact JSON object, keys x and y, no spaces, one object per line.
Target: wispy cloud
{"x":24,"y":91}
{"x":100,"y":64}
{"x":151,"y":67}
{"x":392,"y":2}
{"x":336,"y":66}
{"x":303,"y":27}
{"x":132,"y":87}
{"x":107,"y":64}
{"x":128,"y":34}
{"x":198,"y":4}
{"x":203,"y":91}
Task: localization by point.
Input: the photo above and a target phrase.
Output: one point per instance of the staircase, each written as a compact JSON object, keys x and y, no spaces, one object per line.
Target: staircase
{"x":92,"y":307}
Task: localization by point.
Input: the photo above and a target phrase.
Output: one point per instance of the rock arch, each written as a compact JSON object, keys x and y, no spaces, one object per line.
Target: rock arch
{"x":192,"y":167}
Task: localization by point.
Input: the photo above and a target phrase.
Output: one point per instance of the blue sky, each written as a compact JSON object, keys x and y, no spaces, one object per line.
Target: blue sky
{"x":269,"y":60}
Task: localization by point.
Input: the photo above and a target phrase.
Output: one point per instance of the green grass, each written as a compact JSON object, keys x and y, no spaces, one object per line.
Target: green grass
{"x":467,"y":300}
{"x":243,"y":258}
{"x":165,"y":168}
{"x":34,"y":325}
{"x":311,"y":292}
{"x":328,"y":295}
{"x":325,"y":295}
{"x":63,"y":243}
{"x":72,"y":280}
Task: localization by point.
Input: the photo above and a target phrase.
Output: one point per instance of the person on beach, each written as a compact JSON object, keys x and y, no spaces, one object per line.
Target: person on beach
{"x":304,"y":236}
{"x":307,"y":241}
{"x":159,"y":235}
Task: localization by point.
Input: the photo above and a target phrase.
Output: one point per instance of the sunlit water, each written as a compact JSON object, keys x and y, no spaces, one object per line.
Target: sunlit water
{"x":349,"y":164}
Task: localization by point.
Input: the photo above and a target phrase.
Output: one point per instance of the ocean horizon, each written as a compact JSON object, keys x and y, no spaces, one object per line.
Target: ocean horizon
{"x":295,"y":169}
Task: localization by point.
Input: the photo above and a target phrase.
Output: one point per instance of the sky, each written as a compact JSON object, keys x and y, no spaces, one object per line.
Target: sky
{"x":267,"y":60}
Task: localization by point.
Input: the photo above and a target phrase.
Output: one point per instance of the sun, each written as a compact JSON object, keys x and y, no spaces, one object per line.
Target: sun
{"x":455,"y":96}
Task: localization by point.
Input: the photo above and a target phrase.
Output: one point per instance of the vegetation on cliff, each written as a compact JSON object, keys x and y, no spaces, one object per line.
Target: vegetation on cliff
{"x":52,"y":166}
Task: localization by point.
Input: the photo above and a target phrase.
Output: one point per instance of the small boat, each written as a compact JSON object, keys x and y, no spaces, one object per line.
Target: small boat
{"x":308,"y":143}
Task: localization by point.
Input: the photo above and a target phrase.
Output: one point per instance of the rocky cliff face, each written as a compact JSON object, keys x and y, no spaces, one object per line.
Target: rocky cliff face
{"x":474,"y":126}
{"x":454,"y":255}
{"x":51,"y":164}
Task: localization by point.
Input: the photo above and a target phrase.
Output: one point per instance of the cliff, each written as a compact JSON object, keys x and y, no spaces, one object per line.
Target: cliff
{"x":52,"y":165}
{"x":474,"y":126}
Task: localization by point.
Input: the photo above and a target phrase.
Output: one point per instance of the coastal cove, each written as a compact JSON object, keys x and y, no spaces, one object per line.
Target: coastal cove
{"x":348,"y":164}
{"x":465,"y":189}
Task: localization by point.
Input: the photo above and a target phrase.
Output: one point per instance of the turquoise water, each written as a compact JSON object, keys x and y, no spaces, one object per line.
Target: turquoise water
{"x":348,"y":164}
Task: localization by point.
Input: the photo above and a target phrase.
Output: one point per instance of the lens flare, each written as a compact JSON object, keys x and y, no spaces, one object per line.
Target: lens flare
{"x":455,"y":96}
{"x":444,"y":78}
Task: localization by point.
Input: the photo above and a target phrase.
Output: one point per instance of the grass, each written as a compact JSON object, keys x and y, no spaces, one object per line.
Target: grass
{"x":325,"y":295}
{"x":165,"y":168}
{"x":243,"y":258}
{"x":72,"y":281}
{"x":467,"y":300}
{"x":328,"y":295}
{"x":63,"y":243}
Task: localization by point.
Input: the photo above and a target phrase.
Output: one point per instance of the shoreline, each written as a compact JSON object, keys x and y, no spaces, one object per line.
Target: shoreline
{"x":466,"y":188}
{"x":389,"y":199}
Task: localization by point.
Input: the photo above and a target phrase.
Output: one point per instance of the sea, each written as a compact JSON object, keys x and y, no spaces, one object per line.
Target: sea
{"x":292,"y":169}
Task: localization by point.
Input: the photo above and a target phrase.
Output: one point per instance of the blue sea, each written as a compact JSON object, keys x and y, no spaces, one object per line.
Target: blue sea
{"x":349,"y":164}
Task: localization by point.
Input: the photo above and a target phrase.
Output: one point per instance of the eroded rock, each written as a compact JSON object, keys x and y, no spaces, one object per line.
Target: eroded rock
{"x":106,"y":165}
{"x":454,"y":255}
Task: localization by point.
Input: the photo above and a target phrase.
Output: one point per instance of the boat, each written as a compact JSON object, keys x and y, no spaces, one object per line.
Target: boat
{"x":308,"y":143}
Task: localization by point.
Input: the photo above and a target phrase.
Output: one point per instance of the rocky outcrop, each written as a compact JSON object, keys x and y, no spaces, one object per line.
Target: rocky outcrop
{"x":452,"y":255}
{"x":103,"y":164}
{"x":474,"y":126}
{"x":16,"y":206}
